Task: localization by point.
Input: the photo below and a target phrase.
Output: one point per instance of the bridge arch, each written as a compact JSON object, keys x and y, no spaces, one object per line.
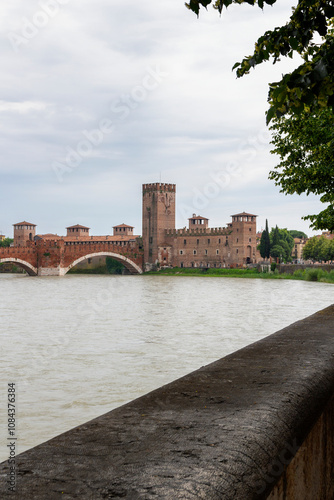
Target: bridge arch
{"x":128,"y":263}
{"x":31,"y":270}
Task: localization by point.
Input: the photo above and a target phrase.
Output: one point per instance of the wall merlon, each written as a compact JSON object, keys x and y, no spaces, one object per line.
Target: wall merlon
{"x":194,"y":232}
{"x":157,"y":186}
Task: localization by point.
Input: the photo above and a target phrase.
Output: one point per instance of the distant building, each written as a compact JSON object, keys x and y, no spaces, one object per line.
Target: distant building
{"x":48,"y":236}
{"x":326,"y":234}
{"x":2,"y":237}
{"x":297,"y":252}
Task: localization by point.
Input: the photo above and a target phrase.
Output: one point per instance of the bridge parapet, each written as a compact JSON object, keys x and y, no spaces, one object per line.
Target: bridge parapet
{"x":56,"y":257}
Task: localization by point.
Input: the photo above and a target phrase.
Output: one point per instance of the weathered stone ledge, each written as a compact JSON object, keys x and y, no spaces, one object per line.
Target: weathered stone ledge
{"x":221,"y":432}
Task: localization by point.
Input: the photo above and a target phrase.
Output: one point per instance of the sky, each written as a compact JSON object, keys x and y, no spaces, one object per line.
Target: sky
{"x":98,"y":98}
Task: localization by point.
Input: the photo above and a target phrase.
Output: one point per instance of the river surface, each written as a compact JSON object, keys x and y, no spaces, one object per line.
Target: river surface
{"x":79,"y":346}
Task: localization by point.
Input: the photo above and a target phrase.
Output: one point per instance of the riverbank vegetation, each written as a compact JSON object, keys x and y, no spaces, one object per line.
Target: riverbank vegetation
{"x":309,"y":274}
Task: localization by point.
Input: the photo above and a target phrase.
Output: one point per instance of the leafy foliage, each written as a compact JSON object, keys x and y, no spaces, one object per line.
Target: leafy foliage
{"x":297,"y":234}
{"x":278,"y":243}
{"x":319,"y":249}
{"x":312,"y":83}
{"x":6,"y":242}
{"x":305,"y":144}
{"x":281,"y":243}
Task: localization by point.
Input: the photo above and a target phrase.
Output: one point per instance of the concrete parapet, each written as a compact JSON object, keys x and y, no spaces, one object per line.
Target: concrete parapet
{"x":227,"y":431}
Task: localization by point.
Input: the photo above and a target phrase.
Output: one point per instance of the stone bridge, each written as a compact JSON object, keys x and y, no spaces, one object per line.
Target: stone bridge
{"x":57,"y":257}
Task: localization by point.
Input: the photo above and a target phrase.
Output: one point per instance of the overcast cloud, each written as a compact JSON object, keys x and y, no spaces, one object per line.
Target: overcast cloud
{"x":100,"y":97}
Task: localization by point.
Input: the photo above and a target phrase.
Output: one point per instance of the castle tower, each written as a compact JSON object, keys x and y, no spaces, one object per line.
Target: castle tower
{"x":243,"y":238}
{"x":158,"y":215}
{"x":23,"y":232}
{"x":123,"y":230}
{"x":198,"y":222}
{"x":78,"y":231}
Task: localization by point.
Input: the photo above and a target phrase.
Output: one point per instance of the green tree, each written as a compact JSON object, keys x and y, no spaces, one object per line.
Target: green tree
{"x":265,"y":243}
{"x":297,"y":234}
{"x":319,"y":249}
{"x":308,"y":250}
{"x":305,"y":145}
{"x":6,"y":242}
{"x":281,"y":243}
{"x":311,"y":84}
{"x":275,"y":237}
{"x":278,"y":251}
{"x":327,"y":248}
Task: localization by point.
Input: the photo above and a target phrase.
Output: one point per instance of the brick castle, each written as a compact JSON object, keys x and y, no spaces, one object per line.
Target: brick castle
{"x":199,"y":245}
{"x":163,"y":244}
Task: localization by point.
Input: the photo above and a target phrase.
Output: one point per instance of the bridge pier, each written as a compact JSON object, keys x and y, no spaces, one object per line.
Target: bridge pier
{"x":51,"y":271}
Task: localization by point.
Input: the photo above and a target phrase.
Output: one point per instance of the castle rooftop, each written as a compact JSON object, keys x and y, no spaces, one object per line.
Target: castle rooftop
{"x":243,"y":214}
{"x":24,"y":223}
{"x":78,"y":226}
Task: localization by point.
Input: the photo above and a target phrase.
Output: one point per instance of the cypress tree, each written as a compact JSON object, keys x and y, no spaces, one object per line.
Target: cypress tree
{"x":276,"y":236}
{"x":265,"y":243}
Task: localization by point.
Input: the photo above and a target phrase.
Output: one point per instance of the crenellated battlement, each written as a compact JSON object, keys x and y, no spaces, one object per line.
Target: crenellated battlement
{"x":48,"y":243}
{"x":213,"y":231}
{"x":158,"y":186}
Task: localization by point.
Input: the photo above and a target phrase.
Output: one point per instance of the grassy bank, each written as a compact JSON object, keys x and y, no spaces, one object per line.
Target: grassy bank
{"x":307,"y":274}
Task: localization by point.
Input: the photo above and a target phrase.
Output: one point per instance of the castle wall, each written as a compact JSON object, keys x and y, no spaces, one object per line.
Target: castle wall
{"x":204,"y":248}
{"x":210,"y":247}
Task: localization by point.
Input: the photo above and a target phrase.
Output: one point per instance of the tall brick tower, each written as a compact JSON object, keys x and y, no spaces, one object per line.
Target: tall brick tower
{"x":243,"y":238}
{"x":158,"y":215}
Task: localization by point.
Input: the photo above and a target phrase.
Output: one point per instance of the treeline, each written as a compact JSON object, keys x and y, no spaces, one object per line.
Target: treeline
{"x":319,"y":249}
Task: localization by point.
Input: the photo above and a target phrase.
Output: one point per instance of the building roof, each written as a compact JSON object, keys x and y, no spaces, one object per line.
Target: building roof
{"x":77,"y":226}
{"x":48,"y":236}
{"x":24,"y":223}
{"x":197,"y":217}
{"x":124,"y":225}
{"x":242,"y":214}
